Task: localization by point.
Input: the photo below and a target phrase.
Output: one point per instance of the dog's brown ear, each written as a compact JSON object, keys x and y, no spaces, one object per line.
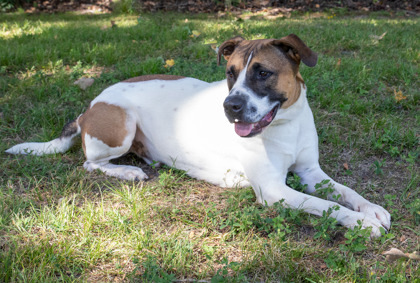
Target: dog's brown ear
{"x":297,"y":49}
{"x":227,"y":48}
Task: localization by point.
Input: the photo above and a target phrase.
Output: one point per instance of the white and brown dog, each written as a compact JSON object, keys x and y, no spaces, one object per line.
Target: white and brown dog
{"x":182,"y":122}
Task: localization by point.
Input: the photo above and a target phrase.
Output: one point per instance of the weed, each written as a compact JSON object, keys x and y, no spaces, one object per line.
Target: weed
{"x":392,"y":273}
{"x":414,"y":209}
{"x":336,"y":261}
{"x":394,"y":151}
{"x":170,"y":177}
{"x":223,"y":274}
{"x":325,"y":189}
{"x":294,"y":181}
{"x":261,"y":219}
{"x":152,"y":271}
{"x":280,"y":227}
{"x":385,"y":236}
{"x":377,"y":165}
{"x":392,"y":140}
{"x":325,"y":223}
{"x":390,"y":204}
{"x":244,"y":220}
{"x":357,"y":239}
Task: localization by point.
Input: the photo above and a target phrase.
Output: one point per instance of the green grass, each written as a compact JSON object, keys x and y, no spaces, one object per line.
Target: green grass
{"x":59,"y":222}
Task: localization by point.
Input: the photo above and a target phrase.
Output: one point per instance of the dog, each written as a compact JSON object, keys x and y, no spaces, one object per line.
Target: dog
{"x":250,"y":133}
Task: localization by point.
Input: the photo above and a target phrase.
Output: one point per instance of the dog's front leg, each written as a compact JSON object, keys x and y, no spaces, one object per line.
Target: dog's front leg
{"x":345,"y":196}
{"x":270,"y":193}
{"x":268,"y":181}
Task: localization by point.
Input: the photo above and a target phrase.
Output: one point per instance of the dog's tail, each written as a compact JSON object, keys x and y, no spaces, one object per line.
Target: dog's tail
{"x":61,"y":144}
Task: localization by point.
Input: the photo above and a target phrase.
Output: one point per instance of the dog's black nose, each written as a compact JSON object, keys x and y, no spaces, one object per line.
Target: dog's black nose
{"x":234,"y":105}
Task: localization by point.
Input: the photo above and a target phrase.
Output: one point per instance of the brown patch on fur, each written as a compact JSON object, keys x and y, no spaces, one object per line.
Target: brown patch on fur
{"x":292,"y":97}
{"x":138,"y":146}
{"x":227,"y":48}
{"x":153,"y":77}
{"x":285,"y":73}
{"x":294,"y":94}
{"x":105,"y":122}
{"x":297,"y":50}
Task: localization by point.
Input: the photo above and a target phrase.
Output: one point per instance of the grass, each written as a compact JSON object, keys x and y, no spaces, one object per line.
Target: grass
{"x":58,"y":222}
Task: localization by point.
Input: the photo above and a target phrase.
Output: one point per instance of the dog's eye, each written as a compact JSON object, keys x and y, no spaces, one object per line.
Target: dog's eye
{"x":264,"y":75}
{"x":229,"y":74}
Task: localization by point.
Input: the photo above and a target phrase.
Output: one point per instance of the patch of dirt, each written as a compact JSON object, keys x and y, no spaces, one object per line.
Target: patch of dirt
{"x":209,"y":6}
{"x":212,"y":6}
{"x":53,"y":6}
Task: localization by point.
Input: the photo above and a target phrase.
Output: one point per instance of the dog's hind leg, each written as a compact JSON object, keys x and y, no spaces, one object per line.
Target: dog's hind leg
{"x":107,"y":133}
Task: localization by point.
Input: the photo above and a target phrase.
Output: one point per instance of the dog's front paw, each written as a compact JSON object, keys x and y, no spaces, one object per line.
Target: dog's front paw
{"x":352,"y":219}
{"x":375,"y":224}
{"x":376,"y":212}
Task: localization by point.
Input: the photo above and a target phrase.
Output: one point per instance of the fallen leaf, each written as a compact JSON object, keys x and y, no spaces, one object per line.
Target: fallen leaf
{"x":84,"y":83}
{"x":210,"y":41}
{"x":169,"y":63}
{"x":346,"y":166}
{"x":414,"y":255}
{"x":376,"y":37}
{"x":337,"y":65}
{"x":382,"y":36}
{"x":195,"y":33}
{"x":399,"y":95}
{"x":394,"y":254}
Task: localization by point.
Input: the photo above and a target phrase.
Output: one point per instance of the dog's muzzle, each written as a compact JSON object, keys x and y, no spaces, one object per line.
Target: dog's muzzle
{"x":236,"y":109}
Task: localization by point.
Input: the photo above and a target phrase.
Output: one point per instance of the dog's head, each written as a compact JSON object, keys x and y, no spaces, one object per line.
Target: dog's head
{"x":263,"y":76}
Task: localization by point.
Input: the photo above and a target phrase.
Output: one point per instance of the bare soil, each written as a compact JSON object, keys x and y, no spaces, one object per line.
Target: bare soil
{"x":211,"y":6}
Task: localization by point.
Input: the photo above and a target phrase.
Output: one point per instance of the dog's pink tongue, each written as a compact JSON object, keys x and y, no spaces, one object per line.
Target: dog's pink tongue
{"x":243,"y":129}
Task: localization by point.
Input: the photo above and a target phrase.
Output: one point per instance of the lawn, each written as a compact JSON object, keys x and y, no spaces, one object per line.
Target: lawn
{"x":61,"y":223}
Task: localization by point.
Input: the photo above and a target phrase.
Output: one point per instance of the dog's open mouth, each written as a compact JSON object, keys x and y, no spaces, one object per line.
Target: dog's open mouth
{"x":251,"y":129}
